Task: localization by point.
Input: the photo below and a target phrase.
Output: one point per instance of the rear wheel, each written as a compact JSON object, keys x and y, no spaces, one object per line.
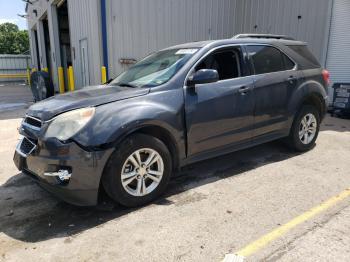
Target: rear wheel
{"x":138,"y":171}
{"x":305,"y":129}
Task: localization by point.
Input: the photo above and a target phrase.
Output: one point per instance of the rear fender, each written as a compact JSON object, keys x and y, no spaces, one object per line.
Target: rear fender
{"x":302,"y":93}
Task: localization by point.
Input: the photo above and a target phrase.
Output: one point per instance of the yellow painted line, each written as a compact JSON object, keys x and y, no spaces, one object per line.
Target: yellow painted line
{"x":281,"y":230}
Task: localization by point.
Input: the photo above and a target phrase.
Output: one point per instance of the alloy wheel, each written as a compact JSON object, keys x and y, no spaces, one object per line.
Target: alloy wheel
{"x":142,"y":172}
{"x":307,"y":128}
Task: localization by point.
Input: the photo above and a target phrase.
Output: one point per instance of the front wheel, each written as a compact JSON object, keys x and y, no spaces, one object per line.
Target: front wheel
{"x":138,"y":171}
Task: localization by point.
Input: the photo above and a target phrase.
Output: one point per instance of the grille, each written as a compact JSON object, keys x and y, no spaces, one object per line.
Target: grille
{"x":27,"y":146}
{"x":33,"y":122}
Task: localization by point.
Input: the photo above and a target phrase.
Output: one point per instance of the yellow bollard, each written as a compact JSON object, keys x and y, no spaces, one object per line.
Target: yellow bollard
{"x":103,"y":75}
{"x":68,"y":79}
{"x":71,"y":78}
{"x":61,"y":79}
{"x":28,"y":76}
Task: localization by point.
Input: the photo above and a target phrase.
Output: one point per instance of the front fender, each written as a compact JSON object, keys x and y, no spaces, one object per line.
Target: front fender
{"x":113,"y":121}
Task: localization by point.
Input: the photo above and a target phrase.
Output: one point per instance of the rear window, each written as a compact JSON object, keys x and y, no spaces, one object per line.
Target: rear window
{"x":267,"y":59}
{"x":303,"y":51}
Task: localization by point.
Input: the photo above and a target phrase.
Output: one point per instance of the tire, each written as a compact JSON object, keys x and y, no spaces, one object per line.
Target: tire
{"x":41,"y":86}
{"x":133,"y":192}
{"x":304,"y":143}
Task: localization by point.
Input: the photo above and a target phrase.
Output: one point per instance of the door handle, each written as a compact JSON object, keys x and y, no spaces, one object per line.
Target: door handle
{"x":291,"y":79}
{"x":244,"y":90}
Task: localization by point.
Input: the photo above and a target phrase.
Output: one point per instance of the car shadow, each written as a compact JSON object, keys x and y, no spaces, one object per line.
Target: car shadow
{"x":30,"y":214}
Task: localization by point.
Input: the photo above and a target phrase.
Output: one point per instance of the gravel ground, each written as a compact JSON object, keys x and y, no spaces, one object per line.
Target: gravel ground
{"x":210,"y":209}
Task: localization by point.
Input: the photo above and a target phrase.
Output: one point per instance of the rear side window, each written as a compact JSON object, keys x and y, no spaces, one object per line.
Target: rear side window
{"x":267,"y":59}
{"x":303,"y":51}
{"x":288,"y":64}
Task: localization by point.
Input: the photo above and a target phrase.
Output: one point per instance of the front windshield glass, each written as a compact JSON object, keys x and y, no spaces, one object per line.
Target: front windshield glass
{"x":155,"y":69}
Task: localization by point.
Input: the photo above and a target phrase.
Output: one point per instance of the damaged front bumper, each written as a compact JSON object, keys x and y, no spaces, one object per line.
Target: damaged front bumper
{"x":65,"y":169}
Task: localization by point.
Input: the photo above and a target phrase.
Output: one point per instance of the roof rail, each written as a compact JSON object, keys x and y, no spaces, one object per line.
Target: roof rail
{"x":269,"y":36}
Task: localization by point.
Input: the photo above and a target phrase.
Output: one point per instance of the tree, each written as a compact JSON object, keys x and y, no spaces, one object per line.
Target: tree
{"x":13,"y":40}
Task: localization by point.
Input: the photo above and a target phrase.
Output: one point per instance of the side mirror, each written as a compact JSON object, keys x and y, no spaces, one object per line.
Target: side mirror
{"x":203,"y":76}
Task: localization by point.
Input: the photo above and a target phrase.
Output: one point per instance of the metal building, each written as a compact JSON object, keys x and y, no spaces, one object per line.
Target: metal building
{"x":89,"y":34}
{"x":13,"y":68}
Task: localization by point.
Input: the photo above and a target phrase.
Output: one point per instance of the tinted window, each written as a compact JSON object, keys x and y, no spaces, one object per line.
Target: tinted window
{"x":267,"y":59}
{"x":303,"y":51}
{"x":226,"y":62}
{"x":289,"y":64}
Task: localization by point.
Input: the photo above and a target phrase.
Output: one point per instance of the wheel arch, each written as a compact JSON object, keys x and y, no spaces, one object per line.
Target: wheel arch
{"x":163,"y":135}
{"x":316,"y":100}
{"x":309,"y":93}
{"x":157,"y":131}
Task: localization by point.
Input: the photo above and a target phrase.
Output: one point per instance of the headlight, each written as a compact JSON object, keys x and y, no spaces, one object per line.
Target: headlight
{"x":68,"y":124}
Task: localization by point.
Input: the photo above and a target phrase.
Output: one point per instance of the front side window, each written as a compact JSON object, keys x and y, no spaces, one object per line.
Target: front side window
{"x":226,"y":62}
{"x":155,"y":69}
{"x":267,"y":59}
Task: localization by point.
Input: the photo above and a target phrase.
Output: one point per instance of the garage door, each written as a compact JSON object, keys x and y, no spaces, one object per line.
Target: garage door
{"x":338,"y":57}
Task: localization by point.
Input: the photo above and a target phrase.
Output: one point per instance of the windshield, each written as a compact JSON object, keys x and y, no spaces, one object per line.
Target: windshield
{"x":155,"y":69}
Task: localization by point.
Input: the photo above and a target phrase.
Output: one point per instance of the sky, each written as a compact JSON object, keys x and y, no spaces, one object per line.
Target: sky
{"x":9,"y":10}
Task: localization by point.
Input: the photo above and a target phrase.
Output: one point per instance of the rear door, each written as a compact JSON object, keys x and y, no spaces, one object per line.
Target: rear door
{"x":275,"y":78}
{"x":220,"y":115}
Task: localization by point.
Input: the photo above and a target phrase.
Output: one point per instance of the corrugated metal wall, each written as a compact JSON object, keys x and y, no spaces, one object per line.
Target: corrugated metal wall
{"x":306,"y":20}
{"x":137,"y":27}
{"x":85,"y":24}
{"x":13,"y":64}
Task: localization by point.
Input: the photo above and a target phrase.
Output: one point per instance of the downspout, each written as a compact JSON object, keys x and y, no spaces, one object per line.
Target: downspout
{"x":104,"y":34}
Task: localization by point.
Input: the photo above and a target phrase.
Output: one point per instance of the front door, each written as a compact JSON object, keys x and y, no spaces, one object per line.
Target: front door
{"x":84,"y":58}
{"x":220,"y":115}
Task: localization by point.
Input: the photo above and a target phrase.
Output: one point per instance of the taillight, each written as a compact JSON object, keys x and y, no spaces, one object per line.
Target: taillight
{"x":325,"y":74}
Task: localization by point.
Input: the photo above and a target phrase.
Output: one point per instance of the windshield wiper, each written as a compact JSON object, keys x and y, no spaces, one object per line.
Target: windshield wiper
{"x":127,"y":85}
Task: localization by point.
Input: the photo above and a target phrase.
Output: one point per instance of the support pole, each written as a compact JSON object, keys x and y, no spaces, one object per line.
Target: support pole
{"x":104,"y":35}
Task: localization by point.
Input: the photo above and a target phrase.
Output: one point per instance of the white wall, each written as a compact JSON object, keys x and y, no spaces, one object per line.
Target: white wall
{"x":338,"y":57}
